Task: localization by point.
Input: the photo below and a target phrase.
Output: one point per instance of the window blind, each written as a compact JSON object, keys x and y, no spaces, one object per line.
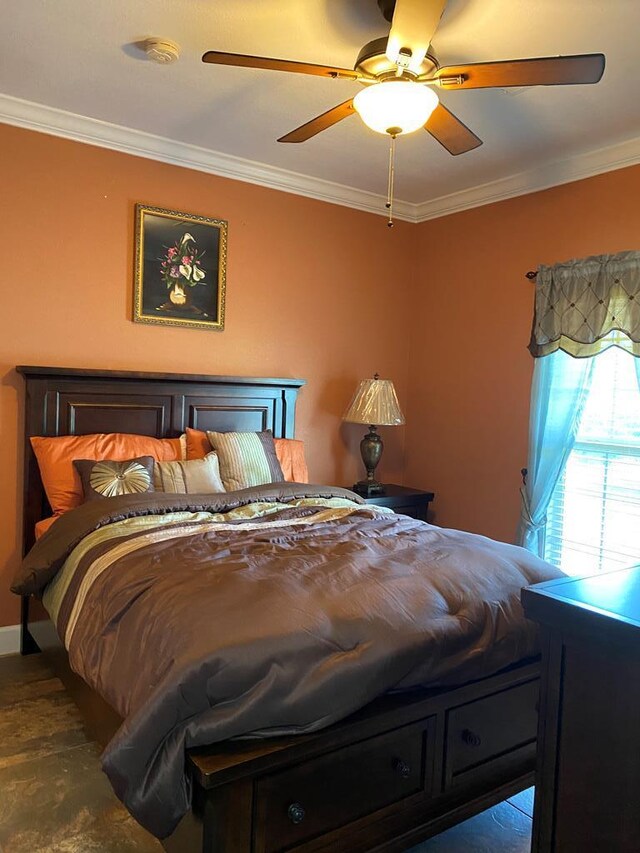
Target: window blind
{"x":593,"y":520}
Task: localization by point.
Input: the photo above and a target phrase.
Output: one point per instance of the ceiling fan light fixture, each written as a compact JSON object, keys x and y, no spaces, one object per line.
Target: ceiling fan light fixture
{"x":395,"y":106}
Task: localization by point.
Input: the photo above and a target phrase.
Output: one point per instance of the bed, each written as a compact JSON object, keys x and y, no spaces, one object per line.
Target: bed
{"x":403,"y":767}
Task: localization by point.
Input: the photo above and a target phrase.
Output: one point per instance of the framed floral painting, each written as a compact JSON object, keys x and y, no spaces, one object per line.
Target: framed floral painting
{"x":180,"y":269}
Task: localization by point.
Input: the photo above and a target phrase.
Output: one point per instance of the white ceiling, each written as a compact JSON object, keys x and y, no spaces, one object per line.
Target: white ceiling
{"x":80,"y":56}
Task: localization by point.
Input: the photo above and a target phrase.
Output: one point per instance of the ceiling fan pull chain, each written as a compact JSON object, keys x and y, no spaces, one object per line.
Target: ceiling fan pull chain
{"x":392,"y":157}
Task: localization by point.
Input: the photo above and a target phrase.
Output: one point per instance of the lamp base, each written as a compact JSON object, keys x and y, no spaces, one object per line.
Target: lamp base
{"x":368,"y":488}
{"x":371,"y":451}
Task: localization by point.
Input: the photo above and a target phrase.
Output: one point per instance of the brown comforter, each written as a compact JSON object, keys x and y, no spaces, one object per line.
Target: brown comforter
{"x":211,"y":627}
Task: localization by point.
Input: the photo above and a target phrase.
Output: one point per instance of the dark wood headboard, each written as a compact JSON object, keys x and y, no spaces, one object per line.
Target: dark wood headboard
{"x":65,"y":401}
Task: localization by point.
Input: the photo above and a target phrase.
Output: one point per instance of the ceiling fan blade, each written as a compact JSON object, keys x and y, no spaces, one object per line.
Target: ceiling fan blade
{"x":450,"y":132}
{"x":319,"y":123}
{"x":545,"y":71}
{"x":413,"y":25}
{"x":245,"y":61}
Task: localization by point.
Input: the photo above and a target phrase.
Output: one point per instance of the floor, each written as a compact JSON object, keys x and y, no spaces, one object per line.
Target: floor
{"x":55,"y":798}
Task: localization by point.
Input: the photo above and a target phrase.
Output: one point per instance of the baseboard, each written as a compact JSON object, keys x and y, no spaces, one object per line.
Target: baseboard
{"x":9,"y":640}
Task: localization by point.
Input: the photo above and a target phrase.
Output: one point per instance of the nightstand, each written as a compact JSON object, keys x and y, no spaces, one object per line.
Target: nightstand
{"x":413,"y":502}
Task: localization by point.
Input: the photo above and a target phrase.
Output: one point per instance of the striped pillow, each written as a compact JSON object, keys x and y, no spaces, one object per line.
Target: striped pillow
{"x":246,"y":458}
{"x":196,"y":477}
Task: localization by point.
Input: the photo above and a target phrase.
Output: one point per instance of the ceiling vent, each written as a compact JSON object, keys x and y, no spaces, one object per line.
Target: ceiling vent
{"x":162,"y":51}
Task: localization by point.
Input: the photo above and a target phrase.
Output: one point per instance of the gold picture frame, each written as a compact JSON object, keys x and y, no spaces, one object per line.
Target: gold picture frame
{"x":180,"y":269}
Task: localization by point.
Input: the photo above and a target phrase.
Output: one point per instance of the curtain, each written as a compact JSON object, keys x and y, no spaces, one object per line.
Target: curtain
{"x":585,"y":306}
{"x":581,"y":308}
{"x":558,"y":395}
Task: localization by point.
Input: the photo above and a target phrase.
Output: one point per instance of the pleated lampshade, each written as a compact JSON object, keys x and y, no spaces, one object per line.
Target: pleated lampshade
{"x":375,"y":402}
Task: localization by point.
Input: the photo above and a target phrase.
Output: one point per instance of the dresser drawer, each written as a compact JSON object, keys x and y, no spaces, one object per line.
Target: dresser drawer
{"x":294,"y":805}
{"x":491,"y":733}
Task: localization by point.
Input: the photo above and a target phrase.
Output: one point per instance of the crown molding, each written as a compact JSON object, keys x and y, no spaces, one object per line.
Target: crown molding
{"x":554,"y":174}
{"x":91,"y":131}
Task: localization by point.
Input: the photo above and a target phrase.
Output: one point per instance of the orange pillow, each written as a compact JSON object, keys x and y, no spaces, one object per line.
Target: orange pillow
{"x":290,"y":453}
{"x":55,"y":459}
{"x":43,"y":525}
{"x":198,"y":444}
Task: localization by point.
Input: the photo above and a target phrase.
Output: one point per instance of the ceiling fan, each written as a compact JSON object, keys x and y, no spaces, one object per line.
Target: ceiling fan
{"x":399,"y":74}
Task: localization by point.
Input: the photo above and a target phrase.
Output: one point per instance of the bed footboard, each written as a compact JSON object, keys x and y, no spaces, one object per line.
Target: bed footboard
{"x":401,"y":770}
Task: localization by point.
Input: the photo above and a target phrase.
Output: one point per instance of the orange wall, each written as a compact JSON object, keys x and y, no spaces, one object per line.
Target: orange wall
{"x":313,"y":290}
{"x":470,"y":371}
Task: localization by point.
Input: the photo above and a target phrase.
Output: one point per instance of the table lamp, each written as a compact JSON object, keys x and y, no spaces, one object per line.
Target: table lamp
{"x":375,"y":403}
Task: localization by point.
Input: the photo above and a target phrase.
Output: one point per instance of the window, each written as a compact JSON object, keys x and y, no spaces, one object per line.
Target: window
{"x":593,"y":520}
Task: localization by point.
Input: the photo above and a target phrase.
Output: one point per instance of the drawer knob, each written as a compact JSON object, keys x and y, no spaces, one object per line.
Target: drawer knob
{"x":402,"y":768}
{"x":471,"y":738}
{"x":296,"y":813}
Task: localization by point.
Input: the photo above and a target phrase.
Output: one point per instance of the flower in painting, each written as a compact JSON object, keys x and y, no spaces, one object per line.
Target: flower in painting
{"x":182,"y":261}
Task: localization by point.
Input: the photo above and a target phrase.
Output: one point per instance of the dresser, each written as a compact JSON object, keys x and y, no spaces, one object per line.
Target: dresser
{"x":588,"y":773}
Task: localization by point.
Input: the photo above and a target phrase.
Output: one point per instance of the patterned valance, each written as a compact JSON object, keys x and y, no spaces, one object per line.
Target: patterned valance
{"x":585,"y":306}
